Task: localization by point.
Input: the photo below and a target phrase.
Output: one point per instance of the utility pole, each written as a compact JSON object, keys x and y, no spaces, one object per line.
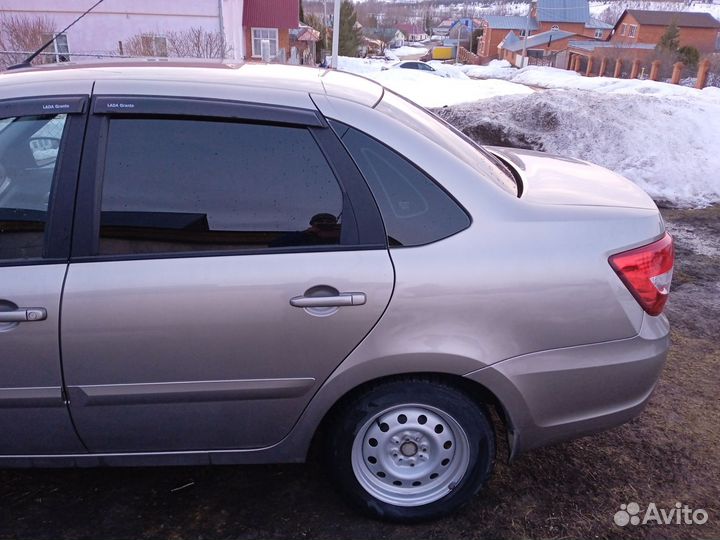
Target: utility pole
{"x":527,"y":30}
{"x":336,"y":35}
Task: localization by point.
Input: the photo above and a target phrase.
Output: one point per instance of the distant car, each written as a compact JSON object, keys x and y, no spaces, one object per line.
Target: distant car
{"x":417,"y":65}
{"x":224,"y":265}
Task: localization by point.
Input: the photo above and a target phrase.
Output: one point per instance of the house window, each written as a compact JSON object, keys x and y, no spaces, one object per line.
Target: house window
{"x":633,"y":31}
{"x":154,"y":45}
{"x":59,"y":48}
{"x":260,"y":34}
{"x":522,"y":33}
{"x":717,"y":42}
{"x":623,"y":29}
{"x":554,"y":28}
{"x":598,"y":34}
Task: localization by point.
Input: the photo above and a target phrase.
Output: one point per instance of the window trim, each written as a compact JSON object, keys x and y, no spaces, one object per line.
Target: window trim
{"x":363,"y":228}
{"x":257,"y":54}
{"x":61,"y":202}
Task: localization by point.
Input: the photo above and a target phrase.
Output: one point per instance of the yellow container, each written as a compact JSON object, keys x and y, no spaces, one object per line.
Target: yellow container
{"x":442,"y":53}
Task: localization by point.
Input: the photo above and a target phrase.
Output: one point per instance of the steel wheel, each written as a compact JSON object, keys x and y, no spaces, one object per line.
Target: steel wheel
{"x":410,"y":455}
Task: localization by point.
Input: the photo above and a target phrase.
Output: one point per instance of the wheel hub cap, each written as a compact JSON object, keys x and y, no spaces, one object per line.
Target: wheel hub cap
{"x":410,"y":455}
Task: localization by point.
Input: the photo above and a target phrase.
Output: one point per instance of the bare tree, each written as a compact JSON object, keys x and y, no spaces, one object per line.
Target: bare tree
{"x":197,"y":42}
{"x":20,"y":34}
{"x":194,"y":42}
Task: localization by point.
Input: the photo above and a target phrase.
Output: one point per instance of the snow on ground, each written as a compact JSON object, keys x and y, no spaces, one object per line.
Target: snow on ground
{"x":406,"y":50}
{"x":669,"y":146}
{"x":665,"y":138}
{"x":431,"y":90}
{"x":427,"y":89}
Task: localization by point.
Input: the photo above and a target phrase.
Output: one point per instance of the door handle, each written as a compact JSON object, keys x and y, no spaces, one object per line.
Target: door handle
{"x":23,"y":315}
{"x":338,"y":300}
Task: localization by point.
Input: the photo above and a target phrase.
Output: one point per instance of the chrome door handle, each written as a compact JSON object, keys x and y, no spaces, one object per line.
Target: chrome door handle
{"x":23,"y":315}
{"x":338,"y":300}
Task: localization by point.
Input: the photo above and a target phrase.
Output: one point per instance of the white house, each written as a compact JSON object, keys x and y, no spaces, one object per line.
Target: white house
{"x":115,"y":21}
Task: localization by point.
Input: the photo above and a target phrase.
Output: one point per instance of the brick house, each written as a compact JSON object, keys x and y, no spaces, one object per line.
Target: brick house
{"x":700,"y":30}
{"x":495,"y":29}
{"x":269,"y":20}
{"x":547,"y":17}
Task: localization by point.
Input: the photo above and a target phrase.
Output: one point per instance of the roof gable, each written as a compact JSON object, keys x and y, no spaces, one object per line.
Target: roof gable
{"x":538,"y":40}
{"x":684,"y":19}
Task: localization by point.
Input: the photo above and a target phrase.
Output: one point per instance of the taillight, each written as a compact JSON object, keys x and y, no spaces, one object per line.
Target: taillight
{"x":647,"y":272}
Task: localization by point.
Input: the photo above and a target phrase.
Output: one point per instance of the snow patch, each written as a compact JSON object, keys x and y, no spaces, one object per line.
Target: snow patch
{"x":669,"y":147}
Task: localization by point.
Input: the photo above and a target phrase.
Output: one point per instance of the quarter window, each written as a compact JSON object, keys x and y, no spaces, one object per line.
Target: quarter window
{"x":190,"y":185}
{"x":29,"y":149}
{"x":261,"y":34}
{"x":415,"y":210}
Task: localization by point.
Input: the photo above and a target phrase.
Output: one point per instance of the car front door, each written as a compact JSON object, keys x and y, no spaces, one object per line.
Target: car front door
{"x":222,"y":268}
{"x":40,"y":142}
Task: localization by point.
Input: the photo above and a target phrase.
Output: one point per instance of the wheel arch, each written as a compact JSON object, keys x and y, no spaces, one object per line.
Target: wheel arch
{"x":499,"y":417}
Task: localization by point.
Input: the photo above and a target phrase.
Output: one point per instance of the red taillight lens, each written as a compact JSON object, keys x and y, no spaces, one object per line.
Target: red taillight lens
{"x":647,"y":272}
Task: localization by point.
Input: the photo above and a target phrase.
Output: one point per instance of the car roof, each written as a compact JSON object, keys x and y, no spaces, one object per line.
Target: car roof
{"x":267,"y":83}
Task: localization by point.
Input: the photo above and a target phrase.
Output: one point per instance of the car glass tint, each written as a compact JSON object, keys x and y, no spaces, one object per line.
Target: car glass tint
{"x":29,"y":149}
{"x":188,"y":185}
{"x":415,"y":209}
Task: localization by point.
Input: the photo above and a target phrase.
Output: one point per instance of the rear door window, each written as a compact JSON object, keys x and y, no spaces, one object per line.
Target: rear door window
{"x":180,"y":185}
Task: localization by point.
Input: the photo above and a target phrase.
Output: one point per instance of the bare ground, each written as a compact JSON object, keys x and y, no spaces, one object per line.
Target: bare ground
{"x":669,"y":454}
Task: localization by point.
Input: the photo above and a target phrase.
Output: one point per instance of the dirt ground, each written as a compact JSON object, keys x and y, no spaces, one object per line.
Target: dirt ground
{"x":669,"y":454}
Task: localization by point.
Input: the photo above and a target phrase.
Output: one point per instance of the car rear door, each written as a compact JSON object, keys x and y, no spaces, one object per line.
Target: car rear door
{"x":227,"y":258}
{"x":40,"y":143}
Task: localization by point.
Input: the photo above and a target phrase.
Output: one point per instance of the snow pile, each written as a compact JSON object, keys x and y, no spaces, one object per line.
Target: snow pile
{"x":668,"y":146}
{"x":431,"y":90}
{"x":359,"y":66}
{"x":496,"y":69}
{"x":449,"y":70}
{"x":428,"y":89}
{"x":406,"y":50}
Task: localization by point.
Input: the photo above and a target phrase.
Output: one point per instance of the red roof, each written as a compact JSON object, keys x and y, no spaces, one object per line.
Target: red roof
{"x":271,"y":13}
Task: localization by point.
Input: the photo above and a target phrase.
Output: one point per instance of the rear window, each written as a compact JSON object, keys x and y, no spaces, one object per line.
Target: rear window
{"x":449,"y":138}
{"x":414,"y":208}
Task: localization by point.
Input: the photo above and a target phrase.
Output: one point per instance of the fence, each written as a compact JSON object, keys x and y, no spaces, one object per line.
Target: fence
{"x":605,"y":67}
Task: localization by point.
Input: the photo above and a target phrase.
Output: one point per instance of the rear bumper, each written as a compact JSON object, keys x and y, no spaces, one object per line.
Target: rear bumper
{"x":561,"y":394}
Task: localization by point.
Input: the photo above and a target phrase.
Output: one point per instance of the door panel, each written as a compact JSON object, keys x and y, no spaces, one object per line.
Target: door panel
{"x":33,"y":416}
{"x":192,"y":236}
{"x":207,"y":352}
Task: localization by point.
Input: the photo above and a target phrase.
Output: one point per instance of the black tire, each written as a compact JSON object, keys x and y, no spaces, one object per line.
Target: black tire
{"x":473,"y":418}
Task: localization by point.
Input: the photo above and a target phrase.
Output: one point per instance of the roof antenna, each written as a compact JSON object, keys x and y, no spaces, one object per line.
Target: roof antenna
{"x":26,"y":63}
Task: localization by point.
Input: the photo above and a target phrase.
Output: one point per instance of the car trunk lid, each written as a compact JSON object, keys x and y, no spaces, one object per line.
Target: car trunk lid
{"x":550,"y":179}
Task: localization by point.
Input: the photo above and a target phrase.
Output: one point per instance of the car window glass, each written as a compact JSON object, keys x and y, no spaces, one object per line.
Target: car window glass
{"x":187,"y":185}
{"x":29,"y":148}
{"x":415,"y":209}
{"x":457,"y":143}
